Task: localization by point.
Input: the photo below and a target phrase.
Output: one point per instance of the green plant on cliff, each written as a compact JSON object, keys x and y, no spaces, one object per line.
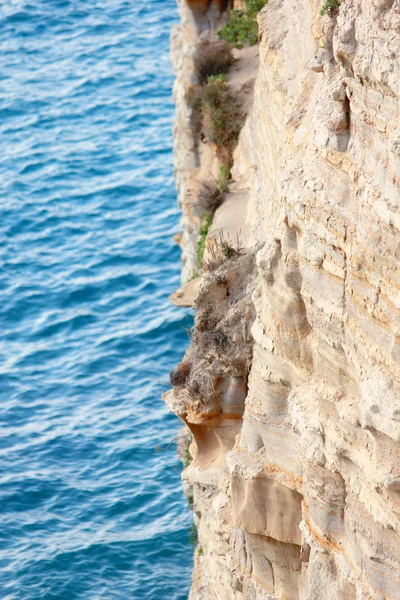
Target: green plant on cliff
{"x":224,"y":178}
{"x":195,"y":104}
{"x":187,"y":459}
{"x":217,"y":117}
{"x":222,"y":117}
{"x":242,"y":27}
{"x":220,"y":78}
{"x":201,"y":244}
{"x":193,"y":535}
{"x":330,"y":7}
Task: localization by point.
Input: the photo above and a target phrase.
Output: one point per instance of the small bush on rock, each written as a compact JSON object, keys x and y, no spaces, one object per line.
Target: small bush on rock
{"x":222,"y":118}
{"x":220,"y":78}
{"x":179,"y":376}
{"x":212,"y":59}
{"x":193,"y":535}
{"x":209,"y":196}
{"x":201,"y":244}
{"x":187,"y":460}
{"x":221,"y":252}
{"x":218,"y":339}
{"x":224,"y":178}
{"x":330,"y":7}
{"x":196,"y":117}
{"x":242,"y":27}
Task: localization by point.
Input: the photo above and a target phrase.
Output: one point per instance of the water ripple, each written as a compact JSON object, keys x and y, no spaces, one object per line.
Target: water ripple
{"x":89,"y":484}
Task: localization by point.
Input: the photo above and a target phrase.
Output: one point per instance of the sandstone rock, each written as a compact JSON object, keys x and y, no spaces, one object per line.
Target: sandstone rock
{"x":186,"y":294}
{"x":295,"y":413}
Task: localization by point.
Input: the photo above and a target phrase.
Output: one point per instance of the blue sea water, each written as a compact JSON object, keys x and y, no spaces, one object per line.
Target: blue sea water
{"x":90,"y":498}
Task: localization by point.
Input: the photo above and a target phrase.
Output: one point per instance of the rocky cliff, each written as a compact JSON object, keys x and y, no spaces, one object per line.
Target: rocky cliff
{"x":291,"y":384}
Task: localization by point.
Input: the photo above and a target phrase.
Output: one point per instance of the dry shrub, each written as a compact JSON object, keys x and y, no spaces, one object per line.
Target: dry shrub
{"x":219,"y":339}
{"x":180,"y":375}
{"x":201,"y":385}
{"x":205,"y":321}
{"x":195,"y":388}
{"x":196,"y":116}
{"x":221,"y":280}
{"x":217,"y":117}
{"x":212,"y":58}
{"x":208,"y":195}
{"x":222,"y":251}
{"x":222,"y":118}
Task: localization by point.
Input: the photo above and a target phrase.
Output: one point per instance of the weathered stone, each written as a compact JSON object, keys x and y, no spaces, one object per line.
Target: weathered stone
{"x":296,"y":421}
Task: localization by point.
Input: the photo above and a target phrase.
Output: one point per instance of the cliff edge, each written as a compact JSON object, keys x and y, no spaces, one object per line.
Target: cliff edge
{"x":291,"y":384}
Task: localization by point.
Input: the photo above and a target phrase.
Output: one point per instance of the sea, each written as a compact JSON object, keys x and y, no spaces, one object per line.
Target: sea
{"x":91,"y":505}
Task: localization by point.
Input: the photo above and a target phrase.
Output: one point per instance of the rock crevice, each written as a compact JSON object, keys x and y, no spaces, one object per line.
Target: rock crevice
{"x":291,"y":384}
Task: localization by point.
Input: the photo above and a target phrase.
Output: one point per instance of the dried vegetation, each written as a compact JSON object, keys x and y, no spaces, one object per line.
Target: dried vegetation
{"x":212,"y":59}
{"x":209,"y":195}
{"x":220,"y":339}
{"x":222,"y":117}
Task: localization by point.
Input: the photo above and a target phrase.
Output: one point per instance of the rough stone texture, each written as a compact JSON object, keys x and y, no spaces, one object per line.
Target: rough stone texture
{"x":296,"y":432}
{"x":198,"y":24}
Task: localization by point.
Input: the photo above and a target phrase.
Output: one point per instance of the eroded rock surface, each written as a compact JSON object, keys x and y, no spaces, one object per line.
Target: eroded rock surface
{"x":292,"y":385}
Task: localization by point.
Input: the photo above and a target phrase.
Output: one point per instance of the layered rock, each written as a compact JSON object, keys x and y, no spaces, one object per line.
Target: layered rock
{"x":293,"y":379}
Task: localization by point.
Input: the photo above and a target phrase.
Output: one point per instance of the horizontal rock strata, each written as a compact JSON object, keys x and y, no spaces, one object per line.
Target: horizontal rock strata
{"x":291,"y":385}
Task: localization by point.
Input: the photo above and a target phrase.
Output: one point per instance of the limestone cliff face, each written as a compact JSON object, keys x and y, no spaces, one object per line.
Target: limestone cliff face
{"x":293,"y":396}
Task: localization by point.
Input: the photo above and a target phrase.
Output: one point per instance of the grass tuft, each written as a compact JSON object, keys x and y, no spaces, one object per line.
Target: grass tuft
{"x":209,"y":196}
{"x":201,"y":244}
{"x":187,"y":458}
{"x":212,"y":59}
{"x":221,"y":252}
{"x":224,"y":178}
{"x":193,"y":535}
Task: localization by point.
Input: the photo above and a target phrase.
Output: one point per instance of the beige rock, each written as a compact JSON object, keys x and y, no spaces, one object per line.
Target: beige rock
{"x":294,"y":393}
{"x":186,"y":294}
